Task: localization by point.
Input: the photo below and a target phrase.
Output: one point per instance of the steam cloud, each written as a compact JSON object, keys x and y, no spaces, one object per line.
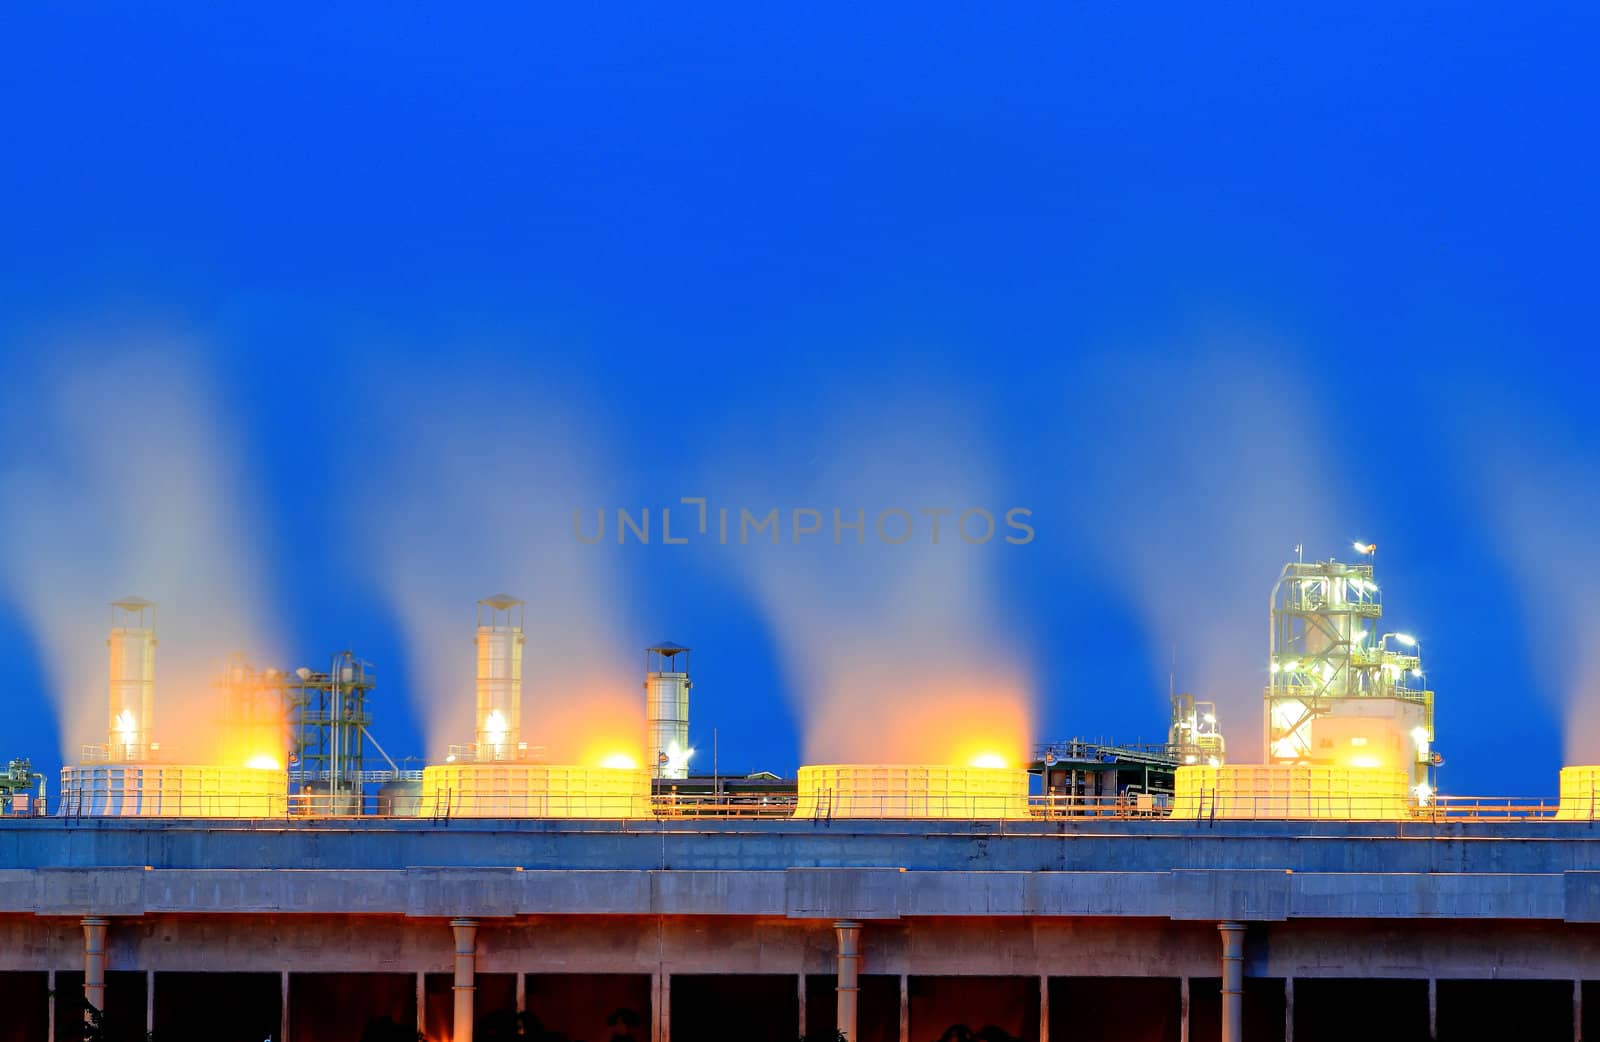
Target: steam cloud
{"x":1194,"y":481}
{"x":125,"y":481}
{"x":476,"y":503}
{"x":892,"y":653}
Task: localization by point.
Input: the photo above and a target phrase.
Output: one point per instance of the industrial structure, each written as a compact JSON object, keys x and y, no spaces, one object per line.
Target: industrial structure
{"x":127,"y":776}
{"x":497,"y":775}
{"x":666,"y":686}
{"x":1133,"y":892}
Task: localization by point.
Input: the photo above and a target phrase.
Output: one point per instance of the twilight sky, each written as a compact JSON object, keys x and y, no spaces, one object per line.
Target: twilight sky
{"x":318,"y":325}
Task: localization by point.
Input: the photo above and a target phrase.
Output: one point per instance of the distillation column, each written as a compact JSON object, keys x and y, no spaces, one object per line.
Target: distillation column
{"x":666,"y":686}
{"x":499,"y":641}
{"x":133,"y":679}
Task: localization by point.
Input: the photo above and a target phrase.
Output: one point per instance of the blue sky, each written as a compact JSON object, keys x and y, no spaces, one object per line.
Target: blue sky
{"x":361,"y":304}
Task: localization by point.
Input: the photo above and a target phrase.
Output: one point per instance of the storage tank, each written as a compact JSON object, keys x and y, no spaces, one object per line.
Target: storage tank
{"x":516,"y":790}
{"x":1580,"y":793}
{"x":894,"y":790}
{"x":172,"y":790}
{"x":1291,"y":791}
{"x":666,"y":686}
{"x":400,"y":798}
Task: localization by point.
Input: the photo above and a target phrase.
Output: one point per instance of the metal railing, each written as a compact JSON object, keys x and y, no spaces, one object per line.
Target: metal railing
{"x":1205,"y":807}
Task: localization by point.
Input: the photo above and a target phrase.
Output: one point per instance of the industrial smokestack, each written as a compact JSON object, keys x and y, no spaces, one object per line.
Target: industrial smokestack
{"x":500,"y":640}
{"x":666,"y":686}
{"x":133,"y":679}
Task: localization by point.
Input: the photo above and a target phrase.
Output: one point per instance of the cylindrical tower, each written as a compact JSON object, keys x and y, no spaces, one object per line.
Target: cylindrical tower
{"x":500,"y":639}
{"x":133,"y":679}
{"x":666,"y":686}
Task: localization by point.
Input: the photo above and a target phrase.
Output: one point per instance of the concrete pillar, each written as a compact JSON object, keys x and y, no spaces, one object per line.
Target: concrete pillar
{"x":149,"y":1002}
{"x":849,"y":932}
{"x":466,"y":931}
{"x":664,"y":1010}
{"x":1183,"y":1009}
{"x":1232,"y":981}
{"x":94,"y":962}
{"x":283,"y":1008}
{"x":50,"y":1005}
{"x":905,"y":1008}
{"x":422,"y":1004}
{"x":1433,"y":1008}
{"x":1288,"y":1009}
{"x":1577,"y":1011}
{"x":522,"y":993}
{"x":1044,"y":1009}
{"x":800,"y":982}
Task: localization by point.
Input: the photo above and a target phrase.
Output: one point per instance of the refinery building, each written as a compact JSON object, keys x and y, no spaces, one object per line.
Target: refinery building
{"x":306,"y":886}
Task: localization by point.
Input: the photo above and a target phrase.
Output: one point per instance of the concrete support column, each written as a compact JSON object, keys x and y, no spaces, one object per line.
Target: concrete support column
{"x":1433,"y":1008}
{"x":466,"y":931}
{"x":1288,"y":1009}
{"x":50,"y":986}
{"x":422,"y":1004}
{"x":1232,"y":981}
{"x":94,"y":962}
{"x":1183,"y":1009}
{"x":149,"y":1002}
{"x":849,"y":932}
{"x":283,"y":1008}
{"x":661,"y":1008}
{"x":905,"y":1008}
{"x":1044,"y":1009}
{"x":801,"y":985}
{"x":1577,"y":1011}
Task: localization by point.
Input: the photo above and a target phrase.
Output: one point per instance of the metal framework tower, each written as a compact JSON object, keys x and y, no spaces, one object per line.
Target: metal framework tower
{"x":1194,"y":736}
{"x":330,"y":718}
{"x":1336,"y":692}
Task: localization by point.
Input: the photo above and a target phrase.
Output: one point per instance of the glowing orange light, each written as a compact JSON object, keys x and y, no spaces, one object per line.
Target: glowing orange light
{"x":991,"y":760}
{"x":263,"y":762}
{"x":620,"y":762}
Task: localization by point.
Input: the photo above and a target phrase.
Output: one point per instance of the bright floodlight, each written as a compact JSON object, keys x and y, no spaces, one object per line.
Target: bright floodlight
{"x":1365,"y":548}
{"x":1407,"y":639}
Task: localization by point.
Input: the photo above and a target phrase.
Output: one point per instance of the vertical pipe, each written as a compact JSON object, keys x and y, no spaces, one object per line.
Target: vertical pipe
{"x":801,"y":979}
{"x":1288,"y":1009}
{"x":283,"y":1008}
{"x":94,"y":963}
{"x":1577,"y":1011}
{"x":666,"y":1007}
{"x":1433,"y":1008}
{"x":1044,"y":1008}
{"x":655,"y":1007}
{"x":905,"y":1008}
{"x":1183,"y":1009}
{"x":1232,"y":981}
{"x":50,"y":1008}
{"x":849,"y":933}
{"x":466,"y":931}
{"x":422,"y":1003}
{"x":149,"y":1002}
{"x":522,"y":993}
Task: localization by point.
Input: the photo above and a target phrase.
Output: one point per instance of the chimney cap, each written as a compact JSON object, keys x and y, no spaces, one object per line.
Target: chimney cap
{"x":133,"y":603}
{"x":501,"y":601}
{"x":667,"y":648}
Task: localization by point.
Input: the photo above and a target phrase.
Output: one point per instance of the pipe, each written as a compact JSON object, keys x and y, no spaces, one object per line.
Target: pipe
{"x":466,"y":931}
{"x":94,"y":964}
{"x":44,"y":793}
{"x":849,"y":988}
{"x":1232,"y":981}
